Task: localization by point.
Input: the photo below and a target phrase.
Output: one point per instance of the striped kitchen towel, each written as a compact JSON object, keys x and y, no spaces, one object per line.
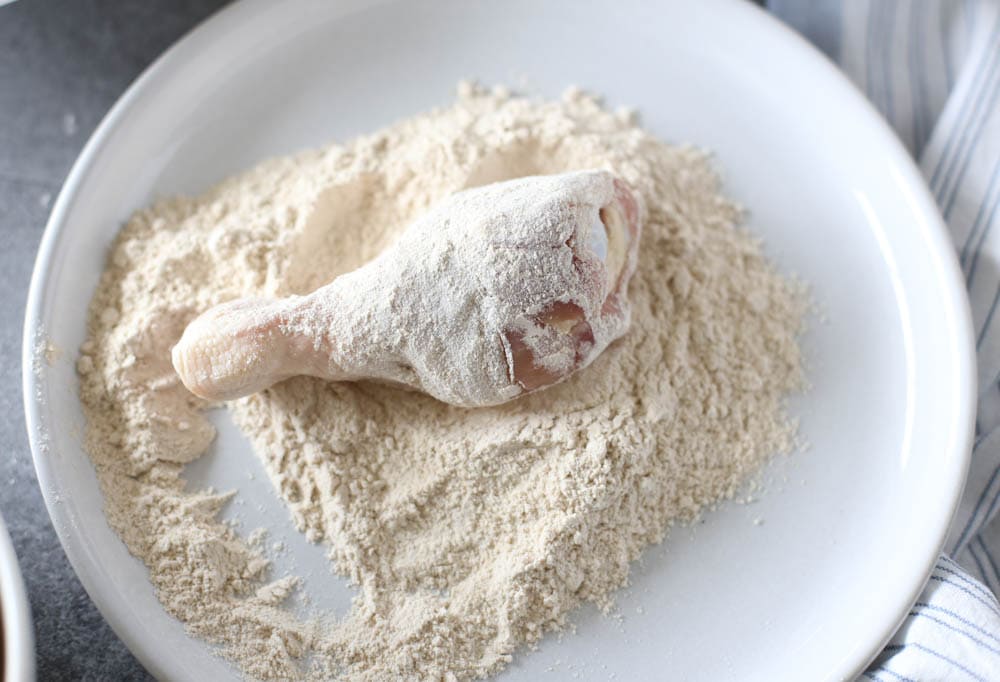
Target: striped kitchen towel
{"x":932,"y":67}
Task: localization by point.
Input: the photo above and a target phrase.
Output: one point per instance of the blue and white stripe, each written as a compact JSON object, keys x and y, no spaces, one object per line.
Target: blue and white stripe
{"x":932,"y":67}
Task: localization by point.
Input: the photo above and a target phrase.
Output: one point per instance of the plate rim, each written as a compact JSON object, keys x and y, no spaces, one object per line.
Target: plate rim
{"x":940,"y":246}
{"x":153,"y":661}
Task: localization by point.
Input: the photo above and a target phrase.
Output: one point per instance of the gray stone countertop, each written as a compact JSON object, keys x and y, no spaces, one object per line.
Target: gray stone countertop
{"x":62,"y":65}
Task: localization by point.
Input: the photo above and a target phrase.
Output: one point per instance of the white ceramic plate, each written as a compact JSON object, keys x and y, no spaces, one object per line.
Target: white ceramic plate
{"x":17,"y":638}
{"x":850,"y":527}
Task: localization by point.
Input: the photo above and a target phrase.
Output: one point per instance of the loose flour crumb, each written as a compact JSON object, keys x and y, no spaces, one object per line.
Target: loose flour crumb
{"x":469,"y":533}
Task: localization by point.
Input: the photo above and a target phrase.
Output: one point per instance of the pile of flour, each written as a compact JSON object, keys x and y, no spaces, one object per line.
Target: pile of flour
{"x":470,"y":533}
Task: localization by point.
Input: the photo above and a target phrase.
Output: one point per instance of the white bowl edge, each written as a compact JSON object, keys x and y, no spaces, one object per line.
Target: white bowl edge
{"x":15,"y":615}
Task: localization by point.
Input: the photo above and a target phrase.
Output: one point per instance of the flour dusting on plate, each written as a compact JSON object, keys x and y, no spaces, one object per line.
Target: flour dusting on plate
{"x":469,"y":533}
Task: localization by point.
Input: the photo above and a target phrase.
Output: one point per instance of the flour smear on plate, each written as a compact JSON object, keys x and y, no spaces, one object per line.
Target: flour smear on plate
{"x":469,"y":533}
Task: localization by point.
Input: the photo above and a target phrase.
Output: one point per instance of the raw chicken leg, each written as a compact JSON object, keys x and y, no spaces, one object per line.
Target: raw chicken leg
{"x":498,"y":291}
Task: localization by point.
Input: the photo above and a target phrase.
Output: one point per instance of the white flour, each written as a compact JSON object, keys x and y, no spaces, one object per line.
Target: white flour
{"x":470,"y":533}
